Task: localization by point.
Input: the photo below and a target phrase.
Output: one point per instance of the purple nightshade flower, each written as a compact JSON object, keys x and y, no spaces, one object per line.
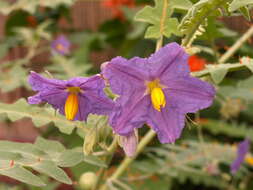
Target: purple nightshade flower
{"x":61,"y":45}
{"x":158,"y":91}
{"x":242,"y":150}
{"x":75,"y":98}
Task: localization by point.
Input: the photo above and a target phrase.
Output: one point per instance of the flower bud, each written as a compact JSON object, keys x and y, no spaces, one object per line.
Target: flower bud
{"x":90,"y":140}
{"x":231,"y":108}
{"x":88,"y":180}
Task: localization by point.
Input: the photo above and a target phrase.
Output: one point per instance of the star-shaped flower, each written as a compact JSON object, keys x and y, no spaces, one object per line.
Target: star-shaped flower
{"x":75,"y":98}
{"x":61,"y":45}
{"x":158,"y":91}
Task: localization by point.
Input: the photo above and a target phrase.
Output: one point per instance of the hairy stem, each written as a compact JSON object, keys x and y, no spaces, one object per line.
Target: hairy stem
{"x":236,"y":45}
{"x":164,"y":14}
{"x":128,"y":160}
{"x":108,"y":159}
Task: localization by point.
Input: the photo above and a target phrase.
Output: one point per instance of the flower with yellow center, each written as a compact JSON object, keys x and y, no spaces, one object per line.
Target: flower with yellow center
{"x":75,"y":98}
{"x":157,"y":91}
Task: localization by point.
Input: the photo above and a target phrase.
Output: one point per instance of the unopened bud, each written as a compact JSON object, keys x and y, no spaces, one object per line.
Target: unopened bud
{"x":231,"y":108}
{"x":90,"y":140}
{"x":88,"y":180}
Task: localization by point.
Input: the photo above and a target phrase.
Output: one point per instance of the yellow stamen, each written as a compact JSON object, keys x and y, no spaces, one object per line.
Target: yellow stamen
{"x":157,"y":96}
{"x":249,"y":160}
{"x":71,"y":104}
{"x":60,"y":47}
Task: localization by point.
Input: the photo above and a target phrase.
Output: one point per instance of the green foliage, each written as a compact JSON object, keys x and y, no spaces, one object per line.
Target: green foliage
{"x":39,"y":116}
{"x":65,"y":68}
{"x":236,"y":4}
{"x":191,"y":160}
{"x":217,"y":127}
{"x":44,"y":156}
{"x":13,"y":77}
{"x":158,"y":17}
{"x":218,"y":72}
{"x":31,"y":6}
{"x":194,"y":22}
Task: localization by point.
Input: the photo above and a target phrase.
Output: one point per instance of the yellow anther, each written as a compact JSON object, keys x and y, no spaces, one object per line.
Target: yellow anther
{"x":71,"y":104}
{"x":157,"y":96}
{"x":249,"y":160}
{"x":60,"y":47}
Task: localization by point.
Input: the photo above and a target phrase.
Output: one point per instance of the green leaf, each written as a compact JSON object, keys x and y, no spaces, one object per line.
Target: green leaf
{"x":236,"y":4}
{"x":23,"y":175}
{"x":229,"y":129}
{"x":39,"y":116}
{"x":94,"y":161}
{"x":158,"y":17}
{"x":66,"y":68}
{"x":245,"y":62}
{"x":50,"y":168}
{"x":245,"y":12}
{"x":70,"y":158}
{"x":13,"y":77}
{"x":218,"y":74}
{"x":50,"y":147}
{"x":194,"y":22}
{"x":180,"y":4}
{"x":15,"y":157}
{"x":31,"y":6}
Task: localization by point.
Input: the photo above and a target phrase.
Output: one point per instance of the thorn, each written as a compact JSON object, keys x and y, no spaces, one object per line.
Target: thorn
{"x":12,"y":163}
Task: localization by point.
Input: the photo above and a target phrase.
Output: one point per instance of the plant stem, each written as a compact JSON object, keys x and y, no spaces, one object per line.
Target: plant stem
{"x":236,"y":45}
{"x":108,"y":159}
{"x":164,"y":14}
{"x":128,"y":160}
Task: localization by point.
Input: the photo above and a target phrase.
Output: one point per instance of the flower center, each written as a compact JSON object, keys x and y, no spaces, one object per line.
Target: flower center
{"x":156,"y":93}
{"x":249,"y":160}
{"x":71,"y":104}
{"x":60,"y":47}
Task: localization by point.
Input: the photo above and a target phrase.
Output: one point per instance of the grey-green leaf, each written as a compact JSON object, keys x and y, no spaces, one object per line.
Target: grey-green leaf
{"x":218,"y":74}
{"x":236,"y":4}
{"x":49,"y":168}
{"x":23,"y":175}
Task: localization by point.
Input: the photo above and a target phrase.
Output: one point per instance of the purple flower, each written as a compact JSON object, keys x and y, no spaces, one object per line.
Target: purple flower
{"x":75,"y":98}
{"x":61,"y":45}
{"x":242,"y":150}
{"x":157,"y":90}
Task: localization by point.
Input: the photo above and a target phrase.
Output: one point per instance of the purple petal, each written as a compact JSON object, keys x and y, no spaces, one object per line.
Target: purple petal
{"x":51,"y":91}
{"x":40,"y":83}
{"x":129,"y":113}
{"x":169,"y":62}
{"x":93,"y":91}
{"x":84,"y":108}
{"x":126,"y":75}
{"x":129,"y":144}
{"x":242,"y":150}
{"x":168,"y":123}
{"x":189,"y":94}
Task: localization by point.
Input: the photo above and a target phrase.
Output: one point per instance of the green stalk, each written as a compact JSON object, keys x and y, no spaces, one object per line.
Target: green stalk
{"x":236,"y":45}
{"x":128,"y":160}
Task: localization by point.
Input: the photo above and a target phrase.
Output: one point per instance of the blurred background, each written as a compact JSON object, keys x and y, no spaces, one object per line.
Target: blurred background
{"x":98,"y":30}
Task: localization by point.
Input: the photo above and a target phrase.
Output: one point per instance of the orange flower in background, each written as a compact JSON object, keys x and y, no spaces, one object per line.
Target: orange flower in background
{"x":196,"y":63}
{"x":115,"y":6}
